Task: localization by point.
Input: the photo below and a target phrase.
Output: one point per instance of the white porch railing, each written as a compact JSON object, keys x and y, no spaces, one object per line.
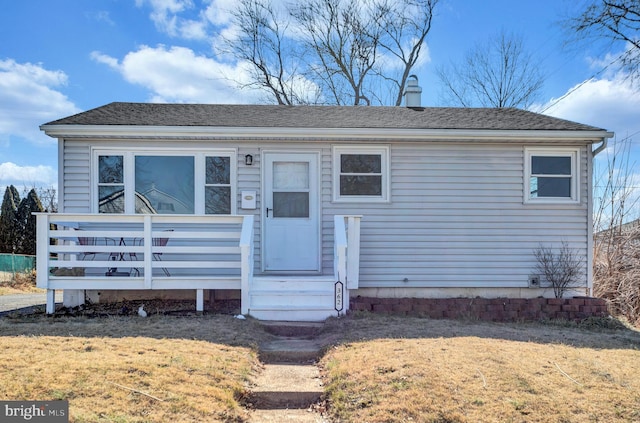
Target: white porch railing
{"x":109,"y":251}
{"x":347,"y":253}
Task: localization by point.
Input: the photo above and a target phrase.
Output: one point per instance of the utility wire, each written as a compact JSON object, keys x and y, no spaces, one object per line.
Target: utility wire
{"x":568,"y":93}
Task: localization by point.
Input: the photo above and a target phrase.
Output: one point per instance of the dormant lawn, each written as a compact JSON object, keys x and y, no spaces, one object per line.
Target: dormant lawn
{"x":375,"y":368}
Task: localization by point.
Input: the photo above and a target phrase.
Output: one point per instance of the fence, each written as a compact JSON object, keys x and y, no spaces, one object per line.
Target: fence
{"x":16,"y":263}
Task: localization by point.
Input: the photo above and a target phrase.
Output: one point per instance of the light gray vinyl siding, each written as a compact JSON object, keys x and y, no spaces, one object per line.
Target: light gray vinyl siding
{"x":76,"y":177}
{"x":457,"y":219}
{"x":456,"y":215}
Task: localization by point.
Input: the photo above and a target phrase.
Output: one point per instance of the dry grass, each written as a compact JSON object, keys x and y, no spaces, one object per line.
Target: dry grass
{"x":125,"y":369}
{"x":17,"y":283}
{"x":616,"y":271}
{"x":379,"y":369}
{"x":407,"y":369}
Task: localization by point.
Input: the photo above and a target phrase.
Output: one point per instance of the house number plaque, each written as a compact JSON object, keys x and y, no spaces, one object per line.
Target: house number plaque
{"x":339,"y":296}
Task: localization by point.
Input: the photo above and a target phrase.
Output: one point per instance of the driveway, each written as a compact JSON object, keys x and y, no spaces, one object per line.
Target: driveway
{"x":24,"y":302}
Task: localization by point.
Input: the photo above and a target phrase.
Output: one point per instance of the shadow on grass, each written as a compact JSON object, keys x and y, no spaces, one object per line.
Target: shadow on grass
{"x":180,"y":321}
{"x":606,"y":333}
{"x":120,"y":320}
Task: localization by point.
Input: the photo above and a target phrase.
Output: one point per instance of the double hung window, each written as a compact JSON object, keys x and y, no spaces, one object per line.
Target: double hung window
{"x":361,"y":173}
{"x":551,"y":175}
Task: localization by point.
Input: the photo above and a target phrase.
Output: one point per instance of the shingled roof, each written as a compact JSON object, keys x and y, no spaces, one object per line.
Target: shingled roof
{"x":273,"y":116}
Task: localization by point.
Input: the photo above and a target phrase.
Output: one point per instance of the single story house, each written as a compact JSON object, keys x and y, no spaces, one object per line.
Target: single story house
{"x":301,"y":210}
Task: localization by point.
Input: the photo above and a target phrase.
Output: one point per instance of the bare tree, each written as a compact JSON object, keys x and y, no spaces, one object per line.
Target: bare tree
{"x":344,"y":37}
{"x":405,"y":25}
{"x":612,"y":20}
{"x":261,"y":41}
{"x":497,"y":73}
{"x":562,"y":270}
{"x":331,"y":51}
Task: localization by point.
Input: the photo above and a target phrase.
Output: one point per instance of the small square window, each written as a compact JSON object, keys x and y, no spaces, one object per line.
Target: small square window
{"x":361,"y":173}
{"x":551,"y":175}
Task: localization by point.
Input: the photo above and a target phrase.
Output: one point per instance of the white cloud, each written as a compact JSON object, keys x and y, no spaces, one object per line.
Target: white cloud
{"x":27,"y":176}
{"x":169,"y":17}
{"x":177,"y":74}
{"x":101,"y":16}
{"x":29,"y":97}
{"x":609,"y":103}
{"x":112,"y":62}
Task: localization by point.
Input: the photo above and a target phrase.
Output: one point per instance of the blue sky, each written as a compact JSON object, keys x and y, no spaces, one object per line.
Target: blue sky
{"x":59,"y":57}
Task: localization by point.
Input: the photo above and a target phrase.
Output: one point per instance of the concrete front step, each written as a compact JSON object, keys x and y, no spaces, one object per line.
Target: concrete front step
{"x":285,"y":416}
{"x":291,"y":350}
{"x":291,"y":329}
{"x":286,"y":386}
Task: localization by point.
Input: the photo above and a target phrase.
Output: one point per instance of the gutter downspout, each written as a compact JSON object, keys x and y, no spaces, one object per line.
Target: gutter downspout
{"x":600,"y":147}
{"x":590,"y":241}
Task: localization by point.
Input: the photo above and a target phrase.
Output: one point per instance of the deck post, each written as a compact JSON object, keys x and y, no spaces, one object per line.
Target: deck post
{"x":200,"y":300}
{"x":340,"y":249}
{"x":51,"y":301}
{"x":246,"y":263}
{"x":353,"y":251}
{"x":148,"y":257}
{"x":42,"y":250}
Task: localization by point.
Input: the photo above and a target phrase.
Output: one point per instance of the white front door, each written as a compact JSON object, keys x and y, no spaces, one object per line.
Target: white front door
{"x":291,"y":212}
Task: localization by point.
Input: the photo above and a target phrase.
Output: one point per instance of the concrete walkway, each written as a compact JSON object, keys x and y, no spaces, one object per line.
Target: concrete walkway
{"x":290,"y":383}
{"x":25,"y":303}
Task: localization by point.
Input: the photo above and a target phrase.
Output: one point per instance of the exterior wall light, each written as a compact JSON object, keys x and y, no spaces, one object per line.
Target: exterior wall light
{"x":248,"y":159}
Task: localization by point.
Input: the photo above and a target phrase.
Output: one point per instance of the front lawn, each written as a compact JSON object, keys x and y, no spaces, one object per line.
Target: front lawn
{"x":393,"y":369}
{"x":131,"y":369}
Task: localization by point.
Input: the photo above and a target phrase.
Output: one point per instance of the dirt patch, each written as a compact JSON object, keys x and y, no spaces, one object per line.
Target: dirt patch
{"x":155,"y":307}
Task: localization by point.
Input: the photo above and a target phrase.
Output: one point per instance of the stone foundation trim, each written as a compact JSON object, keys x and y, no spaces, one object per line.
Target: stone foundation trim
{"x":487,"y":309}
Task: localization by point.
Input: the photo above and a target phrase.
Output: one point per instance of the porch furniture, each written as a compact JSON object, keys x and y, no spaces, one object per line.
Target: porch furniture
{"x":120,"y":256}
{"x":91,"y":242}
{"x":161,"y":242}
{"x":86,"y":241}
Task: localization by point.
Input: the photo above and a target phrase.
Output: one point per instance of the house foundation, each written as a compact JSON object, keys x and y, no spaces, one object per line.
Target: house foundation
{"x":486,"y":309}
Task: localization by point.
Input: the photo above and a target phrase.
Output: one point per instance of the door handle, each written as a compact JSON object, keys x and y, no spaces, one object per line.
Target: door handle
{"x":268,"y":211}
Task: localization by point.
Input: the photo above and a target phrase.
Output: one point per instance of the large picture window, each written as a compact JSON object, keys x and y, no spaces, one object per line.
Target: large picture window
{"x":360,"y":173}
{"x":166,"y":183}
{"x":551,"y":175}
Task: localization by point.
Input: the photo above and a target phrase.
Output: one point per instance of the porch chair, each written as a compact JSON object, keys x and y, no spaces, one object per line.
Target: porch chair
{"x":161,"y":242}
{"x":86,"y":241}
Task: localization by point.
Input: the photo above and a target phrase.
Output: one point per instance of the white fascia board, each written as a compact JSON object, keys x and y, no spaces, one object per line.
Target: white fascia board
{"x":134,"y":131}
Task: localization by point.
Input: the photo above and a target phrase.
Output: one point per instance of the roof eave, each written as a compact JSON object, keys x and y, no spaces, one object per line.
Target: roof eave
{"x":139,"y":131}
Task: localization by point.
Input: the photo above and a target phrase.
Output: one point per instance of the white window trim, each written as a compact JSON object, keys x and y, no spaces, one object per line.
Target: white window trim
{"x":129,"y":155}
{"x":383,"y":151}
{"x":574,"y":154}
